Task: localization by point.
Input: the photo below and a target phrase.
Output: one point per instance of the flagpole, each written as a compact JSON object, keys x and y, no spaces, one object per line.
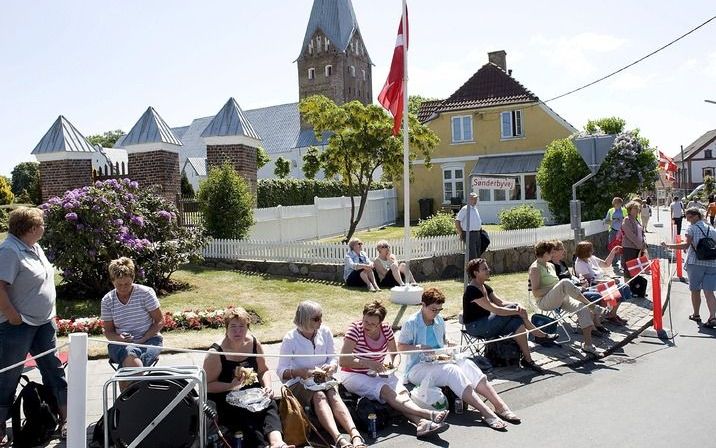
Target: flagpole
{"x":406,"y":149}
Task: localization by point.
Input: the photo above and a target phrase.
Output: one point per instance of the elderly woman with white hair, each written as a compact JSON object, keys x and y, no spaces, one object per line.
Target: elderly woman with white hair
{"x":358,"y":269}
{"x":310,"y":337}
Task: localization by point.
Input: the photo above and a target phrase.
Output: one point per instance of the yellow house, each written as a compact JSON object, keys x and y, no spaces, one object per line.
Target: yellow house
{"x":492,"y":128}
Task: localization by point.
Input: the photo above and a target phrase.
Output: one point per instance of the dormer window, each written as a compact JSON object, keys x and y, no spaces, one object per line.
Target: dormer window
{"x":329,"y":70}
{"x":326,"y":43}
{"x":311,"y":73}
{"x":351,"y":46}
{"x":364,"y":75}
{"x":352,"y":70}
{"x":310,"y":46}
{"x":318,"y":44}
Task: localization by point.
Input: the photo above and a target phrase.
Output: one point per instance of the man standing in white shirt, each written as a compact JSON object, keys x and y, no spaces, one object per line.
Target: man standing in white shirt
{"x":677,"y":213}
{"x":474,"y":222}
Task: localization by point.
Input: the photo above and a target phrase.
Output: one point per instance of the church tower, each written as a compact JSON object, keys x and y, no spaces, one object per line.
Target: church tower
{"x":334,"y":61}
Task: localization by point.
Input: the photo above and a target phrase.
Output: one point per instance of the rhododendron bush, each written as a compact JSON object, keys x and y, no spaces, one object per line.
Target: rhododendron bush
{"x":90,"y":226}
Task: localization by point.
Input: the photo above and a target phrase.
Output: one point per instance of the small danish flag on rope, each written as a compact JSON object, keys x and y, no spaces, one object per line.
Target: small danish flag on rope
{"x":610,"y":292}
{"x":636,"y":265}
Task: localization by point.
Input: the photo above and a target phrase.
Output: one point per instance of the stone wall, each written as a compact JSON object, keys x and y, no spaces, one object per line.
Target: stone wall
{"x":159,"y":168}
{"x":58,"y":176}
{"x":241,"y":157}
{"x":434,"y":268}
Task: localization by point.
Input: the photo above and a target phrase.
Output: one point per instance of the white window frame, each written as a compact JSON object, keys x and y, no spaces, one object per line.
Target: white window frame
{"x":453,"y":180}
{"x":312,"y":73}
{"x":328,"y":71}
{"x":364,"y":75}
{"x":352,"y":70}
{"x":318,"y":44}
{"x":523,"y":191}
{"x":310,"y":46}
{"x":326,"y":43}
{"x":515,"y":122}
{"x":463,"y":137}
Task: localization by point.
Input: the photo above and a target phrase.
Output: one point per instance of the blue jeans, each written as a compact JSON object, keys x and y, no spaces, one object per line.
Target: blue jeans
{"x":16,"y":341}
{"x":118,"y":353}
{"x":592,"y":294}
{"x":493,"y":326}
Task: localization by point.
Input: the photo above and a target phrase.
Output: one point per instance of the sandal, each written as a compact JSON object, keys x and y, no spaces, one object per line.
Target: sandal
{"x":430,"y":427}
{"x":495,"y":423}
{"x":711,"y":323}
{"x":343,"y":441}
{"x":439,"y":417}
{"x":696,"y":318}
{"x":361,"y":443}
{"x":509,"y":416}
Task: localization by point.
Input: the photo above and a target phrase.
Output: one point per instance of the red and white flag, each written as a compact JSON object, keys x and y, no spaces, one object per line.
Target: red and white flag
{"x":636,"y":265}
{"x":666,"y":163}
{"x":610,"y":292}
{"x":392,"y":95}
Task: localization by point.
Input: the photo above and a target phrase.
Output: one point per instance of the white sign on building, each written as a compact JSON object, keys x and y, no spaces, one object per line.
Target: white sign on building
{"x":493,"y":183}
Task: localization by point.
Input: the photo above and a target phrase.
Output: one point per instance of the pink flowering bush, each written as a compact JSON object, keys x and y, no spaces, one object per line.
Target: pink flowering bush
{"x":88,"y":227}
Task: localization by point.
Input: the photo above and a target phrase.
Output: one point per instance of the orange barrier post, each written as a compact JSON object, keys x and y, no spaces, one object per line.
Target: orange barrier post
{"x":679,"y":267}
{"x":656,"y":293}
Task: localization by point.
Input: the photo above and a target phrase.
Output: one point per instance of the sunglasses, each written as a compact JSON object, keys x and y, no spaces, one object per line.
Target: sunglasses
{"x":384,"y":247}
{"x":317,"y":318}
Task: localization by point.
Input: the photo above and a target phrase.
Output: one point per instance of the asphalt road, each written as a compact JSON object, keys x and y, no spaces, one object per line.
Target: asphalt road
{"x":652,"y":394}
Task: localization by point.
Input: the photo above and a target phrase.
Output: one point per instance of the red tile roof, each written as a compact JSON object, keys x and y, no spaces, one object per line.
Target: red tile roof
{"x":489,"y":86}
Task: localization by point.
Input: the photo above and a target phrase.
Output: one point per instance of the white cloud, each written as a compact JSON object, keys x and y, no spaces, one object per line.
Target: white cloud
{"x":577,"y":54}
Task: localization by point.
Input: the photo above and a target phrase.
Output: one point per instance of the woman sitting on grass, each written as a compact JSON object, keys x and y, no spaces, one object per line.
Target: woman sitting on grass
{"x":358,"y":269}
{"x":389,"y":272}
{"x":369,"y":339}
{"x":222,"y":377}
{"x":425,"y":330}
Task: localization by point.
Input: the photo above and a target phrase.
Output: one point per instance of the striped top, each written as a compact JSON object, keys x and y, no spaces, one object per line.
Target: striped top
{"x":132,"y":317}
{"x":366,"y":347}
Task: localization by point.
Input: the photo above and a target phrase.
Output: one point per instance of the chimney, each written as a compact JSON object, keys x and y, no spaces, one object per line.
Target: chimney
{"x":499,"y":58}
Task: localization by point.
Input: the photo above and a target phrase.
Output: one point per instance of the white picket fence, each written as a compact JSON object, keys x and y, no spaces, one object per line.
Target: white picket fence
{"x":334,"y":253}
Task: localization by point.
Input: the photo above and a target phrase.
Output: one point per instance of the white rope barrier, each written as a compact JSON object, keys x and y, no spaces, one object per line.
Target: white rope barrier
{"x":22,"y":363}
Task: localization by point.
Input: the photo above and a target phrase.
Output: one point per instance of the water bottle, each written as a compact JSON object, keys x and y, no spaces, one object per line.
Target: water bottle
{"x":459,"y":406}
{"x":238,"y":440}
{"x":372,"y":426}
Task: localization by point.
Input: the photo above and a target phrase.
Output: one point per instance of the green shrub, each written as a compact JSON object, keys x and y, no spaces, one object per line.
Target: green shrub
{"x":441,"y":223}
{"x":522,"y":217}
{"x":273,"y":192}
{"x":226,"y":203}
{"x":6,"y":196}
{"x":3,"y":220}
{"x":88,"y":227}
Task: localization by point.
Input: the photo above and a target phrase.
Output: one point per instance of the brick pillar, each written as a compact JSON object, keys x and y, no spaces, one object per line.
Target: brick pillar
{"x":241,"y":157}
{"x":58,"y":176}
{"x":159,"y":168}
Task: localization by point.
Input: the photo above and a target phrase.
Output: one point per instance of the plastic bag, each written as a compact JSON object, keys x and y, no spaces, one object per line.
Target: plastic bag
{"x":428,"y":396}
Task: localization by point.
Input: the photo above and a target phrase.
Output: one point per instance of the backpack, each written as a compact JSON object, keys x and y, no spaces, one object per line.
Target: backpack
{"x":503,"y":353}
{"x":42,"y":415}
{"x":706,"y":248}
{"x":294,"y":420}
{"x":365,"y":407}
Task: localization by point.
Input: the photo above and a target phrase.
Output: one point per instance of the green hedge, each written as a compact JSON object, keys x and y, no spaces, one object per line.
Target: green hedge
{"x":522,"y":217}
{"x":441,"y":223}
{"x":273,"y":192}
{"x":3,"y":220}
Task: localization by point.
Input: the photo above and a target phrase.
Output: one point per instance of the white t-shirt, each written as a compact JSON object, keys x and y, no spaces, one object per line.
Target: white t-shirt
{"x":294,"y":343}
{"x":677,"y":209}
{"x":132,"y":317}
{"x":475,"y":220}
{"x":590,"y":268}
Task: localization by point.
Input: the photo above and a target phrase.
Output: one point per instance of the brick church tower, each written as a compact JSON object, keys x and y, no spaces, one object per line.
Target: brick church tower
{"x":334,"y":61}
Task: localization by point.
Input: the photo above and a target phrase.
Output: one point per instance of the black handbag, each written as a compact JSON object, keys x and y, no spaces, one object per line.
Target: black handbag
{"x":484,"y":242}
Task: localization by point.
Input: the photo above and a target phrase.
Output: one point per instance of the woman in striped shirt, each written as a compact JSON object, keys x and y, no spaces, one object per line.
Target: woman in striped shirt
{"x":369,"y":340}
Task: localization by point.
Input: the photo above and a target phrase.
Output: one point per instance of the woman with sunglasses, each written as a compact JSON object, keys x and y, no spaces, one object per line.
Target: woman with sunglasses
{"x":364,"y":374}
{"x":425,"y":330}
{"x":389,"y":272}
{"x":487,"y":316}
{"x":310,"y":337}
{"x":358,"y":269}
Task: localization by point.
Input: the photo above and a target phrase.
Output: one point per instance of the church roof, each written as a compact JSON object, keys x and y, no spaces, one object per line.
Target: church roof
{"x":336,"y":19}
{"x":150,"y":128}
{"x":62,"y":137}
{"x":230,"y":120}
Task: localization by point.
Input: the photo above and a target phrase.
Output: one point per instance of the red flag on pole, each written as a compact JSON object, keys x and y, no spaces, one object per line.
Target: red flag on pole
{"x":610,"y":292}
{"x":666,"y":163}
{"x":391,"y":97}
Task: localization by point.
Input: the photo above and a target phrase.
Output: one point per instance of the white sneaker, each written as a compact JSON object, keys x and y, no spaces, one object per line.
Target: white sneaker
{"x":592,"y":350}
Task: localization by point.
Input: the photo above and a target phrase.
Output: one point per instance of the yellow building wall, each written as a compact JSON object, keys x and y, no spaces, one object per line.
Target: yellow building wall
{"x":539,"y":129}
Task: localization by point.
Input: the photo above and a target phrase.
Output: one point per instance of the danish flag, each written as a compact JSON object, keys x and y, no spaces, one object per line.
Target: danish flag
{"x":666,"y":163}
{"x":392,"y":96}
{"x":636,"y":265}
{"x":610,"y":292}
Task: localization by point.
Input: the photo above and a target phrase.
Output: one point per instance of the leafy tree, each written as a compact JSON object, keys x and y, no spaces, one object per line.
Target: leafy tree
{"x":361,"y":141}
{"x":283,"y":168}
{"x":414,"y":102}
{"x":226,"y":203}
{"x":608,"y":125}
{"x":708,"y":185}
{"x":561,"y":167}
{"x":6,"y":196}
{"x":3,"y":220}
{"x":311,"y":162}
{"x":262,"y":158}
{"x":187,"y":189}
{"x":106,"y":140}
{"x":26,"y":177}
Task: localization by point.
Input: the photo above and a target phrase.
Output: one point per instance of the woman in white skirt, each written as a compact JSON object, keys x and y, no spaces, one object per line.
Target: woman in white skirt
{"x":365,"y":374}
{"x":426,"y":330}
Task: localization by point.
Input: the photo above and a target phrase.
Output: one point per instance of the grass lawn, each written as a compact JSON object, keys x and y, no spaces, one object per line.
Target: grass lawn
{"x":275,"y":300}
{"x":394,"y":232}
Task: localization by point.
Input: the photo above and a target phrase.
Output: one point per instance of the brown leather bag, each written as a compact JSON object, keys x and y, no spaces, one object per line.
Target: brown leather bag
{"x":293,"y":419}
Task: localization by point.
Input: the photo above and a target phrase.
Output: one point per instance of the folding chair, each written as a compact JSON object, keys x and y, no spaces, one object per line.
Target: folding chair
{"x":116,"y":366}
{"x":475,"y":345}
{"x":555,"y":314}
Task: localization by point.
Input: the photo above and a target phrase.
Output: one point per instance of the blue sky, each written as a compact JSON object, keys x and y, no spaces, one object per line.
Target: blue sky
{"x":102,"y":63}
